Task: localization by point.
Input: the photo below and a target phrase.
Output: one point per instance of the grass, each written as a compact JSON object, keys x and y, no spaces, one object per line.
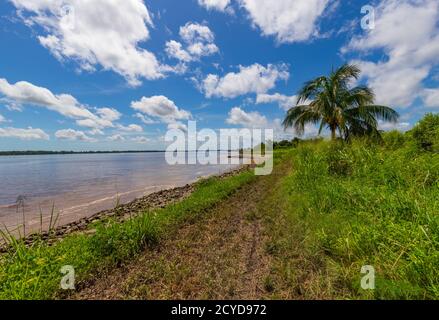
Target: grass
{"x":34,"y":272}
{"x":346,"y":205}
{"x":335,"y":207}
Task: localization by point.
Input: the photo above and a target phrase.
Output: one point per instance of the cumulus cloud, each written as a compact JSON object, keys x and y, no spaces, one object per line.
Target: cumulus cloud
{"x":198,"y":40}
{"x":431,"y":97}
{"x":23,"y":134}
{"x":220,"y":5}
{"x":388,"y":126}
{"x":116,"y":138}
{"x":109,"y":114}
{"x":287,"y":20}
{"x":237,"y":116}
{"x":141,"y":140}
{"x":144,"y":118}
{"x":411,"y":51}
{"x":96,"y":132}
{"x":252,"y":79}
{"x":25,"y":93}
{"x":285,"y":102}
{"x":161,"y":108}
{"x":99,"y":32}
{"x":175,"y":50}
{"x":70,"y":134}
{"x":240,"y":117}
{"x":2,"y":119}
{"x":130,"y":128}
{"x":178,"y":125}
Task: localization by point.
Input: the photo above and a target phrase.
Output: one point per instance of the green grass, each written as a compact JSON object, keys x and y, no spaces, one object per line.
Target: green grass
{"x":34,"y":272}
{"x":337,"y":207}
{"x":362,"y":204}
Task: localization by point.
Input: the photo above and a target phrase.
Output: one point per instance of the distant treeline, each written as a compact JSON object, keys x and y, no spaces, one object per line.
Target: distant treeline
{"x":29,"y":153}
{"x":287,"y":143}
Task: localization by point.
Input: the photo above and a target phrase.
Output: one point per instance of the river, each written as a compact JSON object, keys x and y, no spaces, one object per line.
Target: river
{"x":79,"y":185}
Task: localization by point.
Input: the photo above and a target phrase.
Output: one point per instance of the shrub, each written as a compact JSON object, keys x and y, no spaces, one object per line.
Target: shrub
{"x":426,"y":133}
{"x":394,"y":139}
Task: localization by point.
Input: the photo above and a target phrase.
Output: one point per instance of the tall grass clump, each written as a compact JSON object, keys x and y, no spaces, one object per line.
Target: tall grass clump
{"x":34,"y":272}
{"x":375,"y":204}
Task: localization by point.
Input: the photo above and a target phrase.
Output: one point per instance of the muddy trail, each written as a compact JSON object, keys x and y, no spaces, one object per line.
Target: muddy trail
{"x":220,"y":256}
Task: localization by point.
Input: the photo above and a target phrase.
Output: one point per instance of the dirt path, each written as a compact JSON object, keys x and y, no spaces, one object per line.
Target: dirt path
{"x":221,"y":256}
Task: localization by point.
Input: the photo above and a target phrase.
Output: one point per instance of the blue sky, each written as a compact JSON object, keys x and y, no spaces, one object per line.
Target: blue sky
{"x":117,"y":74}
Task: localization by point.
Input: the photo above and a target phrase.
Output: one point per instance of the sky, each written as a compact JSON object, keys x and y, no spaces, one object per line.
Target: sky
{"x":117,"y":74}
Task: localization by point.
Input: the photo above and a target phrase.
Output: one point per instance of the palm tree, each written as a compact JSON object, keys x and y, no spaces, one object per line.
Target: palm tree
{"x":329,"y":101}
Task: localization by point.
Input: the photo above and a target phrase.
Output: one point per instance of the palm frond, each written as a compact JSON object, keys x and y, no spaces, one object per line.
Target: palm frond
{"x":350,"y":111}
{"x":311,"y":89}
{"x":382,"y":112}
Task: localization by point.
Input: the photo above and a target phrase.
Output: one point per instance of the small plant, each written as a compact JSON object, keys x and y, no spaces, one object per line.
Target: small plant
{"x":20,"y":203}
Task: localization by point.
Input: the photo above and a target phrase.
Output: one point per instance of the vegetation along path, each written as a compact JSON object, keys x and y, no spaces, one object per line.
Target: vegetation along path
{"x":304,"y":232}
{"x":220,"y":256}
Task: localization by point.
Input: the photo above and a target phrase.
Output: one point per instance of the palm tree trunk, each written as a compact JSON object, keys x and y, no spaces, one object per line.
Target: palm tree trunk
{"x":333,"y":134}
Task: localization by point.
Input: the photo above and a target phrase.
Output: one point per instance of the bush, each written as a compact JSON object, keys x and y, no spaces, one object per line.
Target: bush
{"x":338,"y":160}
{"x":426,"y":133}
{"x":394,"y":139}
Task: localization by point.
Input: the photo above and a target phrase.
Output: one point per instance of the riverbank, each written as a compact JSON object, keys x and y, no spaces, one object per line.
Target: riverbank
{"x":120,"y":213}
{"x":44,"y":189}
{"x":33,"y":272}
{"x":304,"y":232}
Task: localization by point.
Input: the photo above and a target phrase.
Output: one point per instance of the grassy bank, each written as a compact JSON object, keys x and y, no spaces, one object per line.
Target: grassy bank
{"x":34,"y":272}
{"x":347,"y":205}
{"x":303,"y":232}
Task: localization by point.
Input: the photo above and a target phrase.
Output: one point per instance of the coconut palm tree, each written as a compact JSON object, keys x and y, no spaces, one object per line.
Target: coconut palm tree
{"x":331,"y":102}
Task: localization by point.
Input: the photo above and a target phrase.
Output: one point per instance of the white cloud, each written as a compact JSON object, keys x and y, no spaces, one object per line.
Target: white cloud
{"x":288,"y":20}
{"x":237,"y":116}
{"x":250,"y":120}
{"x":23,"y":134}
{"x":285,"y":102}
{"x":144,"y":119}
{"x":2,"y":119}
{"x":116,"y":137}
{"x":178,"y":125}
{"x":141,"y":140}
{"x":99,"y":32}
{"x":160,"y":107}
{"x":96,"y":132}
{"x":220,"y":5}
{"x":109,"y":114}
{"x":194,"y":32}
{"x":199,"y":42}
{"x":388,"y":126}
{"x":70,"y":134}
{"x":252,"y":79}
{"x":130,"y":128}
{"x":431,"y":97}
{"x":175,"y":50}
{"x":412,"y":50}
{"x":25,"y":93}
